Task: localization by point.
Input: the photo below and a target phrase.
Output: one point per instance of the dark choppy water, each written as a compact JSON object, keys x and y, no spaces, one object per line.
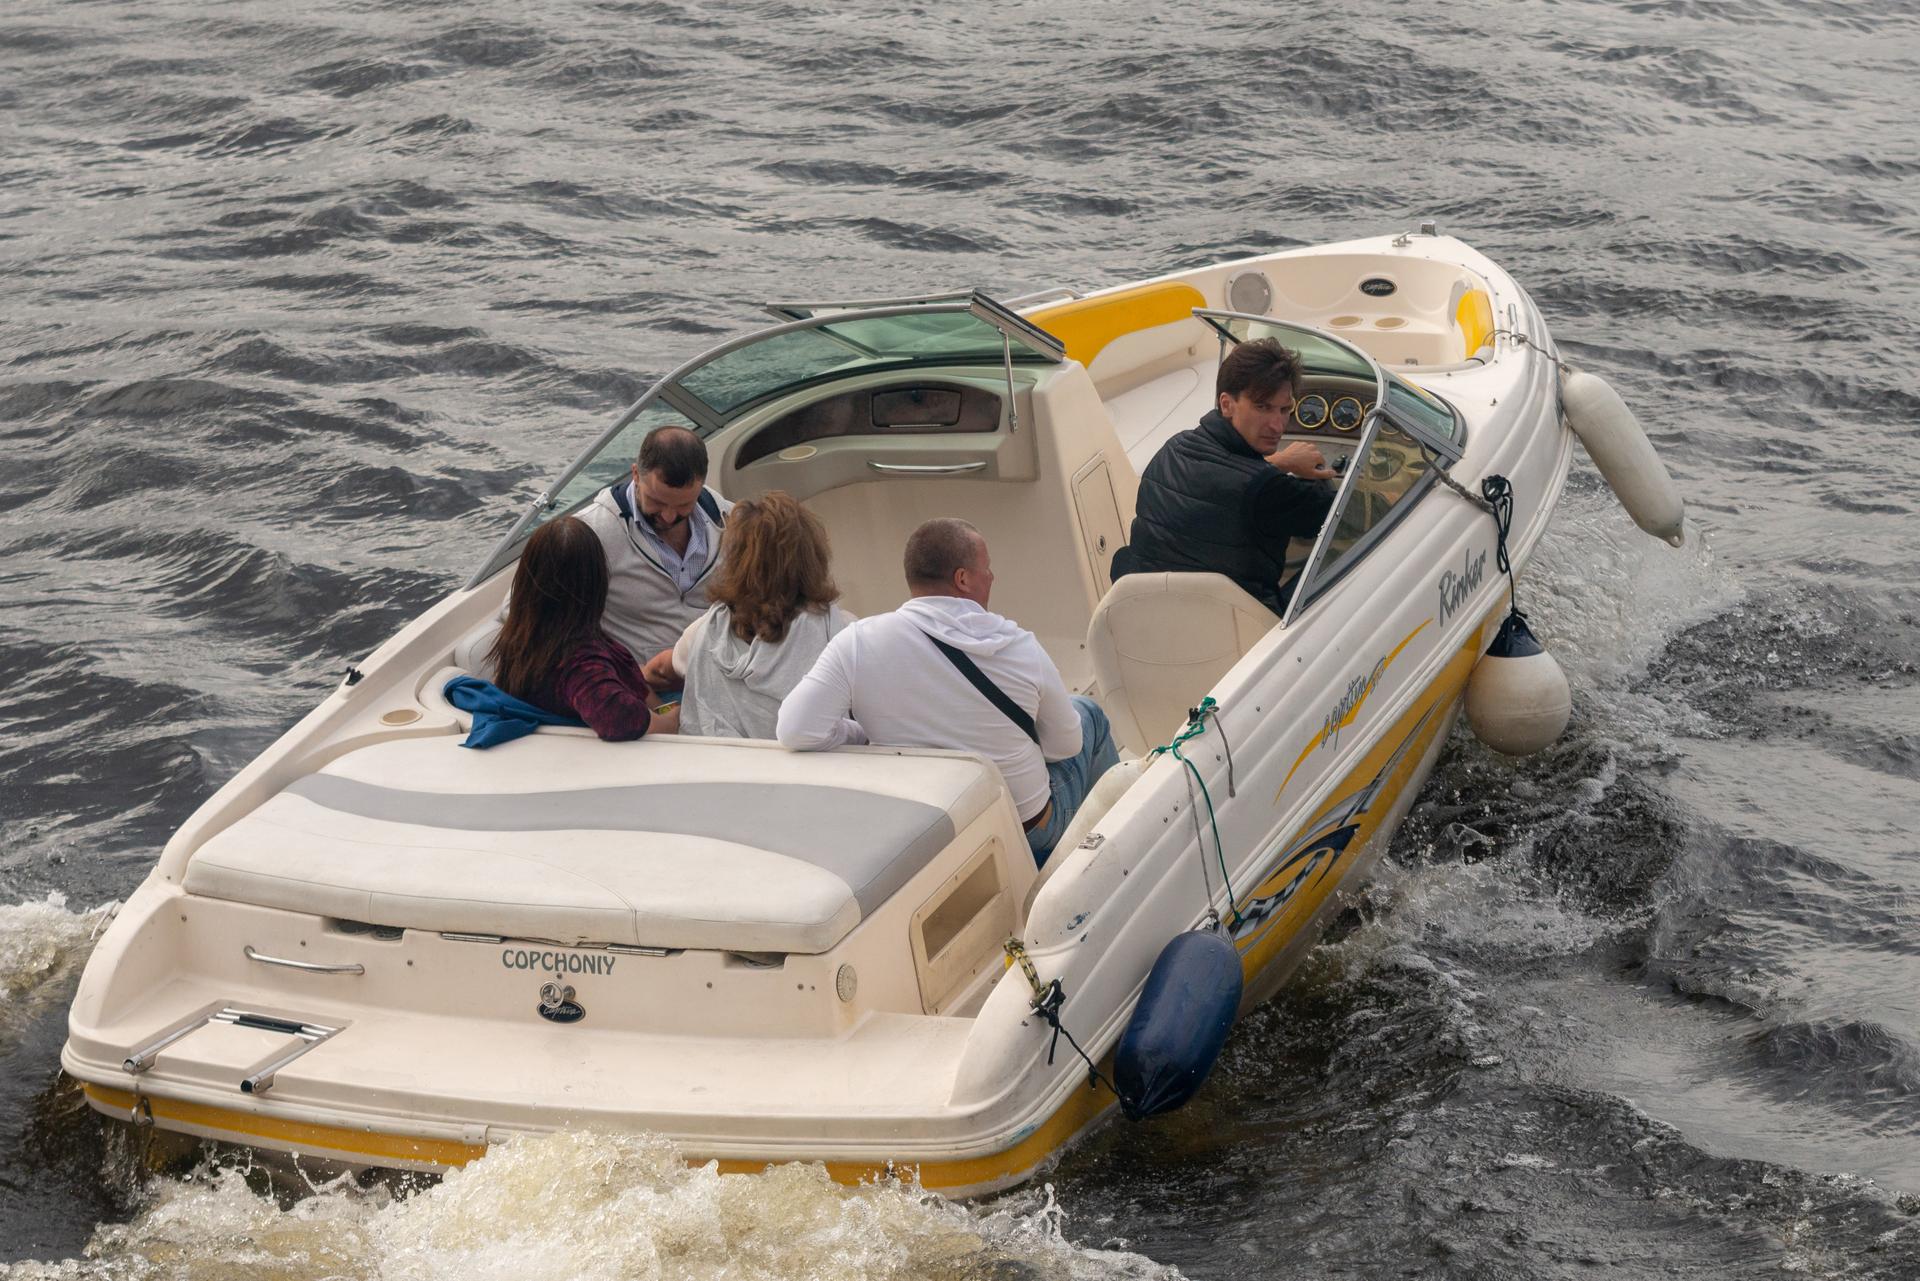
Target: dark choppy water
{"x":301,"y":302}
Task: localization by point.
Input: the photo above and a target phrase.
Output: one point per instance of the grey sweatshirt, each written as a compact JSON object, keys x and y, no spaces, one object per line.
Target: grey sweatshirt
{"x":735,"y":687}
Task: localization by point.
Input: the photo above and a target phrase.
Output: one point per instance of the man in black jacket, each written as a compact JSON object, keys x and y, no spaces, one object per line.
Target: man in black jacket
{"x":1224,"y":498}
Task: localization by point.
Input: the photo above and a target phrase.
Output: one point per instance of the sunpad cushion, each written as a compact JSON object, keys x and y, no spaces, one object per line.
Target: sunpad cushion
{"x":660,"y":842}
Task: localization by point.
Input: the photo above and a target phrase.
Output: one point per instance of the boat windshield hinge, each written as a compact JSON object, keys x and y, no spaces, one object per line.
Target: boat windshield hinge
{"x":1013,"y":404}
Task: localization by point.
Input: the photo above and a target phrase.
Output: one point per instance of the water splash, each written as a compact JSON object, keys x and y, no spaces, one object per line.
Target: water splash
{"x":39,"y":941}
{"x":585,"y":1207}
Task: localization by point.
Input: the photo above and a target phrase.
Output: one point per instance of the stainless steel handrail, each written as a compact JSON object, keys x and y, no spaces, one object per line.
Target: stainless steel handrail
{"x":312,"y":967}
{"x":925,"y":469}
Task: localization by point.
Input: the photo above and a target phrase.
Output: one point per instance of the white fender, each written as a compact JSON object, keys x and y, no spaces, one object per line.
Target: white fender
{"x":1623,"y":454}
{"x":1518,"y":701}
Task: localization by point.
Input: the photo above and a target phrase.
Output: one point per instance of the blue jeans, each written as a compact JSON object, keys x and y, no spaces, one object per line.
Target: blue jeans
{"x":1071,"y":779}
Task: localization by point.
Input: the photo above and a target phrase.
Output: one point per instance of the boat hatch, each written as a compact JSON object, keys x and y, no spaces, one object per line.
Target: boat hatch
{"x":1406,"y":433}
{"x":833,"y":342}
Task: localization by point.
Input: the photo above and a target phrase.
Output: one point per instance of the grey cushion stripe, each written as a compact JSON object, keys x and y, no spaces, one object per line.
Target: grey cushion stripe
{"x":873,"y":843}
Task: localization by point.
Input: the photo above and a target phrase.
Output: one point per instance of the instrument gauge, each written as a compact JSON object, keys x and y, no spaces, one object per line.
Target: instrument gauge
{"x":1346,"y":413}
{"x":1310,"y":411}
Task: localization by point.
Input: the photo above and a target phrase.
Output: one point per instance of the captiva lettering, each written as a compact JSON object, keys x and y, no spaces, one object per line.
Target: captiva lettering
{"x":1343,"y":711}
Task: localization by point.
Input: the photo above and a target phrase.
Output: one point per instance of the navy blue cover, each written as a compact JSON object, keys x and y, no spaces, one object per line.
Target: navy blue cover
{"x":1178,"y":1027}
{"x":498,"y":717}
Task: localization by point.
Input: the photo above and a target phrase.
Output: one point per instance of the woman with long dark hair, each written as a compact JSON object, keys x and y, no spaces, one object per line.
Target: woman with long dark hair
{"x":773,"y":610}
{"x":551,"y":651}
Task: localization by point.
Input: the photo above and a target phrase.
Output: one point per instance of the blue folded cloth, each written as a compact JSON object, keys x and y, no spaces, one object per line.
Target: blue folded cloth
{"x":498,"y":717}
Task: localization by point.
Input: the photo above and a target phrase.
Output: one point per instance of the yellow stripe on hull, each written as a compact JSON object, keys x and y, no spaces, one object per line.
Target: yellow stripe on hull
{"x":372,"y":1147}
{"x":368,"y":1146}
{"x":1420,"y":723}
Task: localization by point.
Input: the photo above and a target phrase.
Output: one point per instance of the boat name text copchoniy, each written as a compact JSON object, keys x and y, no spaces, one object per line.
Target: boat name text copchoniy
{"x":521,"y":958}
{"x":1455,"y":588}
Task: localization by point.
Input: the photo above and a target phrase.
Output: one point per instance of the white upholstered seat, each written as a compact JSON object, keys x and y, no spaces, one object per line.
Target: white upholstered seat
{"x":470,"y":653}
{"x":1159,"y":642}
{"x":688,"y":843}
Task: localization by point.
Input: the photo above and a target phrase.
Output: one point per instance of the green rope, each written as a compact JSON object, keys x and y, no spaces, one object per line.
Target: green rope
{"x":1196,"y":726}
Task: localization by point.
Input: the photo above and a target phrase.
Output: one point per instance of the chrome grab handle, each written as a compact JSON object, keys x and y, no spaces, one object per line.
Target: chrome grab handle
{"x":312,"y":967}
{"x":926,"y":469}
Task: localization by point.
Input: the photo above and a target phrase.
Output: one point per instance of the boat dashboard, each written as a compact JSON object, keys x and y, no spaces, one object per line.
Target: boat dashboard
{"x":922,"y":407}
{"x":1331,"y":408}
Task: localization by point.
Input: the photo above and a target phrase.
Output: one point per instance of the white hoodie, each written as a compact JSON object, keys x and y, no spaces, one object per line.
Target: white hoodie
{"x":883,"y":681}
{"x":734,"y":687}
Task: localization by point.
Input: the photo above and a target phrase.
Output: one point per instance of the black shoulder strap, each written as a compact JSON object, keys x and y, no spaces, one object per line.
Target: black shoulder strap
{"x":994,"y":694}
{"x":711,"y":506}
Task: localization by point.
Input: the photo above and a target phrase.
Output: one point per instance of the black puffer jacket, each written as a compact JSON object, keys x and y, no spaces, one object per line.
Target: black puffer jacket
{"x":1209,"y":503}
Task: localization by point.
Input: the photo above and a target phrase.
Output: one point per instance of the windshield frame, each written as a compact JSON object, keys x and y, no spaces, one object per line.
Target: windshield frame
{"x":808,"y":310}
{"x":1033,"y":342}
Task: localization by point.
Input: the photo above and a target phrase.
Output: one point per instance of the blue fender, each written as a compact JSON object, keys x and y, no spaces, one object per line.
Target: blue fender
{"x":1177,"y":1029}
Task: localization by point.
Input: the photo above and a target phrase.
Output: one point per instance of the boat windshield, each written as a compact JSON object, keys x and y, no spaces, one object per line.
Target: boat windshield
{"x":838,"y":343}
{"x":1324,"y":355}
{"x":1422,"y":410}
{"x":822,"y":344}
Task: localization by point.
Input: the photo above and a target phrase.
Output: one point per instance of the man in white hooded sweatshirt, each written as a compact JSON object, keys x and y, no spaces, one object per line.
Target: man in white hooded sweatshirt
{"x":902,"y":680}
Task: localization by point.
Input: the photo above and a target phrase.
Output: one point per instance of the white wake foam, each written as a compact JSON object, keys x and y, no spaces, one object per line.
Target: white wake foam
{"x":38,"y":942}
{"x":588,"y":1207}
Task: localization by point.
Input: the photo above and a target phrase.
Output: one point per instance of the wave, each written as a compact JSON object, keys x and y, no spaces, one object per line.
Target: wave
{"x":579,"y":1206}
{"x":40,"y":943}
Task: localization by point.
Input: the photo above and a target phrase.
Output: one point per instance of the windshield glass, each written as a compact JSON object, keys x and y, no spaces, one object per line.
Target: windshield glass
{"x":709,"y":392}
{"x":613,"y":462}
{"x":854,"y":344}
{"x":1392,"y":469}
{"x":1421,"y":409}
{"x":1320,"y":354}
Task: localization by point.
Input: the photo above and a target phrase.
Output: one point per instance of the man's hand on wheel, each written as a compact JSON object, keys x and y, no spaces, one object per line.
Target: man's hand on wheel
{"x":1303,"y":460}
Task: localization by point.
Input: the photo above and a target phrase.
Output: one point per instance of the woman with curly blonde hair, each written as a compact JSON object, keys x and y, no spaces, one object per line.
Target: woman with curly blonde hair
{"x":772,"y":611}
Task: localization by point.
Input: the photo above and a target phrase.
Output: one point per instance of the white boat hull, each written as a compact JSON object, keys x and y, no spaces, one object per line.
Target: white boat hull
{"x":440,"y":1050}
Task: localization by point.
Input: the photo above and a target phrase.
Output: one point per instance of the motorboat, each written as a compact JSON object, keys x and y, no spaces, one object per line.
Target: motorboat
{"x":375,"y":946}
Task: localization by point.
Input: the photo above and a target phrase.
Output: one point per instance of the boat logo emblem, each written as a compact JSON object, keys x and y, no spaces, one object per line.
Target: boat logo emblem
{"x":1377,"y":286}
{"x":557,"y":1003}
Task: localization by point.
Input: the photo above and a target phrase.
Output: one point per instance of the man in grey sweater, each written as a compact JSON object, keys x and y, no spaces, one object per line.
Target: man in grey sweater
{"x":661,"y":532}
